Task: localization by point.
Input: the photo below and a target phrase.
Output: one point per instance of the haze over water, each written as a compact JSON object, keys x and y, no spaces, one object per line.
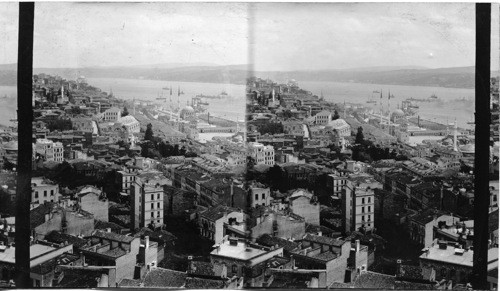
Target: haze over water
{"x":447,"y":108}
{"x":129,"y":89}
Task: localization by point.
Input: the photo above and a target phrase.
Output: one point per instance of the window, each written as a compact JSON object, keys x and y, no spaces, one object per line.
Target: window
{"x":158,"y":196}
{"x":51,"y":192}
{"x":152,"y":206}
{"x":363,"y":209}
{"x":36,"y":194}
{"x":363,"y":201}
{"x":369,"y":199}
{"x":369,"y":208}
{"x":369,"y":218}
{"x":263,"y":196}
{"x":234,"y":269}
{"x":363,"y":218}
{"x":152,"y":214}
{"x":152,"y":196}
{"x":158,"y":214}
{"x":158,"y":205}
{"x":45,"y":193}
{"x":256,"y":196}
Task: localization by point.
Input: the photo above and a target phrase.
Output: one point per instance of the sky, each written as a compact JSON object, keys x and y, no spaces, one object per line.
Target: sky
{"x":274,"y":36}
{"x":118,"y":34}
{"x":291,"y":36}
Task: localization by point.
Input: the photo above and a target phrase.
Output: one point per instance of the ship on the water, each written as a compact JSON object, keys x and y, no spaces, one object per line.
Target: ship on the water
{"x":433,"y":97}
{"x":371,"y":101}
{"x":222,"y":95}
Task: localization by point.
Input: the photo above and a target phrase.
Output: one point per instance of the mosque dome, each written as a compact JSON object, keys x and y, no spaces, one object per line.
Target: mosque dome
{"x":398,"y":113}
{"x":468,"y":148}
{"x":187,"y":112}
{"x":11,"y":146}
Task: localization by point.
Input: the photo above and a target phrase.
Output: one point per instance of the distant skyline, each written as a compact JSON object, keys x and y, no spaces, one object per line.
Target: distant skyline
{"x":285,"y":36}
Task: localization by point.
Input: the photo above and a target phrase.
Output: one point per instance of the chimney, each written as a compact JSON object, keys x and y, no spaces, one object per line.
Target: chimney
{"x":398,"y":268}
{"x":82,"y":258}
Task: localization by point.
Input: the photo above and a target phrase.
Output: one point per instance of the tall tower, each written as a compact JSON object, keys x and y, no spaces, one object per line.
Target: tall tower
{"x":455,"y":133}
{"x":381,"y":108}
{"x":389,"y":111}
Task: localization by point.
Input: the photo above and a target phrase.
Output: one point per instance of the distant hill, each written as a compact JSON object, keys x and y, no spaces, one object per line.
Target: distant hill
{"x":459,"y":77}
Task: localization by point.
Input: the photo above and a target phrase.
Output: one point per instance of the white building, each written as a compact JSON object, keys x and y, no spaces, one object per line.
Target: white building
{"x":263,"y":155}
{"x":52,"y":151}
{"x":43,"y":191}
{"x":323,"y":117}
{"x":112,"y":114}
{"x":130,"y":123}
{"x":259,"y":195}
{"x":146,"y":204}
{"x":358,"y":202}
{"x":340,"y":126}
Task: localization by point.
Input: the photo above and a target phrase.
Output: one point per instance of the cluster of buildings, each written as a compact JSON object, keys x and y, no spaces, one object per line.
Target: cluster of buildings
{"x":333,"y":235}
{"x":282,"y":204}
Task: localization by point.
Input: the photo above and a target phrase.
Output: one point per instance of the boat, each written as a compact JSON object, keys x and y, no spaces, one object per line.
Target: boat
{"x":371,"y":98}
{"x":222,"y":95}
{"x":433,"y":96}
{"x":166,"y":88}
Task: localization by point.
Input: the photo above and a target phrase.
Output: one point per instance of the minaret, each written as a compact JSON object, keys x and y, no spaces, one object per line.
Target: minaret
{"x":380,"y":108}
{"x":455,"y":132}
{"x":273,"y":96}
{"x":389,"y":111}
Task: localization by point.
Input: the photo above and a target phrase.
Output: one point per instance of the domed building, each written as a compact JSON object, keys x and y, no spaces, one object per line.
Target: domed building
{"x":397,"y":115}
{"x":468,"y":149}
{"x":188,"y":113}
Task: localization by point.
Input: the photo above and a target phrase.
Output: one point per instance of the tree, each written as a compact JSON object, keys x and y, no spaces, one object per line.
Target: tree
{"x":360,"y":138}
{"x":7,"y":165}
{"x":336,"y":115}
{"x":125,"y":111}
{"x":250,"y":162}
{"x":148,"y":135}
{"x":274,"y":177}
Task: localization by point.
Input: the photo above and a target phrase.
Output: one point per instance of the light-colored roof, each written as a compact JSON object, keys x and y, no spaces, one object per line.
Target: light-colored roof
{"x":38,"y":250}
{"x":239,"y":251}
{"x":129,"y":119}
{"x":448,"y":256}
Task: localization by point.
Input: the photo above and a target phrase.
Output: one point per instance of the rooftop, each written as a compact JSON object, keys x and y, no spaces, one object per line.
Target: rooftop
{"x":369,"y":279}
{"x":450,"y":256}
{"x":270,"y":241}
{"x":217,"y":212}
{"x":323,"y":240}
{"x":112,"y":236}
{"x":159,"y":277}
{"x":240,"y":251}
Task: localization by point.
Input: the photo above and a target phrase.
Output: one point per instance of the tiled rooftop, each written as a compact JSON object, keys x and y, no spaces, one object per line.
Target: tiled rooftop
{"x":161,"y":278}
